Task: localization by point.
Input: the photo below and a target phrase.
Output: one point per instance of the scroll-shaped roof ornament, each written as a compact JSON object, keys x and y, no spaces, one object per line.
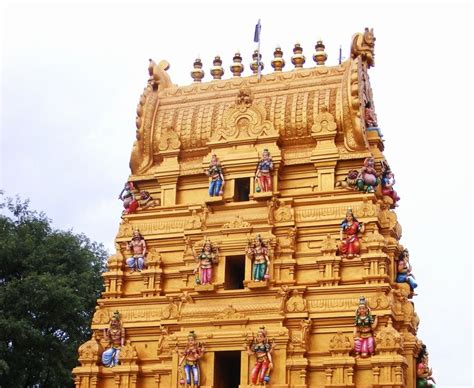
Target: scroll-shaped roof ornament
{"x":363,"y":46}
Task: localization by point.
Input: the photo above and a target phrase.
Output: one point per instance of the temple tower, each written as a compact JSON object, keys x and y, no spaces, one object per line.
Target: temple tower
{"x":316,"y":124}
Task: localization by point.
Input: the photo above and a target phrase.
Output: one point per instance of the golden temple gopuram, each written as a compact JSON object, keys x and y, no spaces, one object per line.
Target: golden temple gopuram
{"x":259,"y":243}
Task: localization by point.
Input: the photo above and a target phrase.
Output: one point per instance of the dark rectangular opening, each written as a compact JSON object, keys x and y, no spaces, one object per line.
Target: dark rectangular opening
{"x":242,"y":189}
{"x":234,"y":272}
{"x":227,"y":369}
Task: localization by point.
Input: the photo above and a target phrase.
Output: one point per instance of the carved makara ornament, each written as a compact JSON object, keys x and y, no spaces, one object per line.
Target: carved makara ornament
{"x":363,"y":45}
{"x":244,"y":119}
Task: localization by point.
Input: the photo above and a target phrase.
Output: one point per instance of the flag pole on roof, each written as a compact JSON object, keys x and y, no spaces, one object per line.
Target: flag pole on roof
{"x":256,"y":39}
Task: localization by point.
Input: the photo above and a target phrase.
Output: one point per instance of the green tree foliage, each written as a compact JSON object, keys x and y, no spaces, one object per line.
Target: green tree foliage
{"x":49,"y":283}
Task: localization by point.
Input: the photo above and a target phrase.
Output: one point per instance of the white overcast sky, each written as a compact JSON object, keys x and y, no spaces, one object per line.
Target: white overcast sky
{"x":72,"y":75}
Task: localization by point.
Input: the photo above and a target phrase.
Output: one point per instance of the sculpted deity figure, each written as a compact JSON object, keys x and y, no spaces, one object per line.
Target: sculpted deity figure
{"x":115,"y":335}
{"x":404,"y":268}
{"x":262,"y":349}
{"x":263,"y":176}
{"x":370,"y":119}
{"x":258,"y":252}
{"x":388,"y":180}
{"x":368,"y":178}
{"x":208,"y":257}
{"x":130,"y":204}
{"x":349,"y":246}
{"x":365,"y":323}
{"x":138,"y":247}
{"x":214,"y":171}
{"x":190,"y":358}
{"x":424,"y":373}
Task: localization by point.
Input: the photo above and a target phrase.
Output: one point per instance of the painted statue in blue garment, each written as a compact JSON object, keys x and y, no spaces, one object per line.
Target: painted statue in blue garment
{"x":115,"y":335}
{"x":404,"y":274}
{"x":190,"y":358}
{"x":214,"y":171}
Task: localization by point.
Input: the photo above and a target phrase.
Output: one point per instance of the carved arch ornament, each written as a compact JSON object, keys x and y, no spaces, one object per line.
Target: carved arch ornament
{"x":244,"y":119}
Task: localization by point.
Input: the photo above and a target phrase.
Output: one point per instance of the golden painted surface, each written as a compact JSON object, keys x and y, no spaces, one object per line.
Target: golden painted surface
{"x":311,"y":121}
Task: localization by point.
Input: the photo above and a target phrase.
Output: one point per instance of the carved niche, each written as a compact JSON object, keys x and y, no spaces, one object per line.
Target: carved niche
{"x":244,"y":119}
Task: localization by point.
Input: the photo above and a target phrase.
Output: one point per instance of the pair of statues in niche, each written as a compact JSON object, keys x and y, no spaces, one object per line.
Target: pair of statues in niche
{"x":189,"y":373}
{"x":208,"y":257}
{"x":132,"y":203}
{"x":263,"y":177}
{"x":367,"y":179}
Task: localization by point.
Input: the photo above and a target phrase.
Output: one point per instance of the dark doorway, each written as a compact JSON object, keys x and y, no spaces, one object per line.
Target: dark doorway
{"x":234,"y":272}
{"x":227,"y":369}
{"x":242,"y":189}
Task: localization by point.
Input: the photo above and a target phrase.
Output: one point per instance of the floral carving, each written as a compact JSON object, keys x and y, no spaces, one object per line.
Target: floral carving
{"x":237,"y":223}
{"x":169,"y":140}
{"x":296,"y":303}
{"x":229,"y":313}
{"x":340,"y":344}
{"x":324,"y":122}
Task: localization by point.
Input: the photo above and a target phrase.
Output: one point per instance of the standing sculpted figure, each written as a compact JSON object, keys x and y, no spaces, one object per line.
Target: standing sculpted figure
{"x":190,"y":359}
{"x":258,"y":252}
{"x":261,"y":349}
{"x":208,"y":257}
{"x":214,"y":171}
{"x":365,"y":323}
{"x":115,"y":335}
{"x":263,"y":175}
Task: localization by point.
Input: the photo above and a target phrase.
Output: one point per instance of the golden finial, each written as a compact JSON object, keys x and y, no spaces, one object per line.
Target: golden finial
{"x":254,"y":63}
{"x":217,"y":71}
{"x":278,"y":63}
{"x":320,"y":55}
{"x":197,"y":73}
{"x":237,"y":68}
{"x":298,"y":59}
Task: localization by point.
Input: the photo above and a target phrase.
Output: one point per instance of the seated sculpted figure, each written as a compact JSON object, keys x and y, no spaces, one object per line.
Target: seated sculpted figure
{"x":404,"y":274}
{"x":368,"y":178}
{"x":138,"y":247}
{"x":424,"y":373}
{"x":349,"y":246}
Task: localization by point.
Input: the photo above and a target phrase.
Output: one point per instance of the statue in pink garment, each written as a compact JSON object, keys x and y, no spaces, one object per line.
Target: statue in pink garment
{"x":205,"y":261}
{"x":262,"y":350}
{"x":365,"y":323}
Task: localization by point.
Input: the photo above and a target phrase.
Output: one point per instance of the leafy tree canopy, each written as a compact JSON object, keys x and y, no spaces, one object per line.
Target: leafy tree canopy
{"x":49,"y":283}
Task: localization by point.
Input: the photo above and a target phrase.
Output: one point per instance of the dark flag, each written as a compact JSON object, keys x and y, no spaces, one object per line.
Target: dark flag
{"x":256,"y":36}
